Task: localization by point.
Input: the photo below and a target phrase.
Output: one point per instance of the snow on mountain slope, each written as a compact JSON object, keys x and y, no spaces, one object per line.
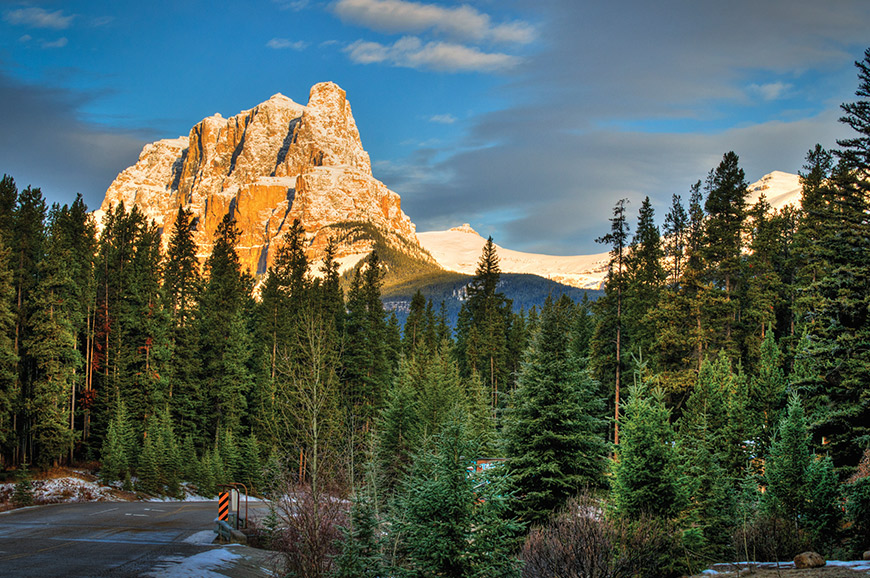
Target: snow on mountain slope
{"x":779,"y":188}
{"x":459,"y":250}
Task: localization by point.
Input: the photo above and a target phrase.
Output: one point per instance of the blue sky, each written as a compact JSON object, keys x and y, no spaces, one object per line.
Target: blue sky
{"x":526,"y":118}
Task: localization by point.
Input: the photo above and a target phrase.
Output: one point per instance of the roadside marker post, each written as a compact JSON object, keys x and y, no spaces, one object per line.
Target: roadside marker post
{"x":224,"y":506}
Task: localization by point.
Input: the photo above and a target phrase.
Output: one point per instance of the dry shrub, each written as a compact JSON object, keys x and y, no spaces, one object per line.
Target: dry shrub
{"x":769,"y":539}
{"x":582,"y":543}
{"x":309,"y":535}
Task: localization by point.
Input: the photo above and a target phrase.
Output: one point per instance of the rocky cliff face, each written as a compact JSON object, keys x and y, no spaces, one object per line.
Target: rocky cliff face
{"x":267,"y":166}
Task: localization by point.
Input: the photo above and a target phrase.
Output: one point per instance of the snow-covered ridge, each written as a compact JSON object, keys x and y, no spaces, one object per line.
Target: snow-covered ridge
{"x":779,"y":188}
{"x":458,"y":249}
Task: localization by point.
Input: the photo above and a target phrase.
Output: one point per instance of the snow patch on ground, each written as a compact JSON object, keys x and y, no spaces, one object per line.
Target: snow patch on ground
{"x":66,"y":489}
{"x":729,"y":568}
{"x":201,"y":565}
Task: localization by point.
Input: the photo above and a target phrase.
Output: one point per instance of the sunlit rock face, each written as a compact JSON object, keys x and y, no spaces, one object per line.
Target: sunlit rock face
{"x":268,"y":166}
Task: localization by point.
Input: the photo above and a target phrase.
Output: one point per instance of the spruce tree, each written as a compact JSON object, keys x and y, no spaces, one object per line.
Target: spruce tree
{"x":182,"y":286}
{"x":361,"y":555}
{"x":726,"y":214}
{"x":675,"y":237}
{"x":608,"y":343}
{"x":51,"y":345}
{"x":646,"y":278}
{"x":483,"y":328}
{"x":8,"y":358}
{"x":554,"y":436}
{"x":645,"y":480}
{"x":839,"y":327}
{"x":786,"y":466}
{"x":444,"y":529}
{"x":398,"y":431}
{"x":224,"y":332}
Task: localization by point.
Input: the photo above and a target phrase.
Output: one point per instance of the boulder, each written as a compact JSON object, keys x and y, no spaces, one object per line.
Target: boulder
{"x":809,"y":560}
{"x":867,"y":555}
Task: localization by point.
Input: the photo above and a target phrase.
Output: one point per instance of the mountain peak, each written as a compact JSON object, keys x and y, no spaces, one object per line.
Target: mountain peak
{"x":465,"y":228}
{"x":267,"y":166}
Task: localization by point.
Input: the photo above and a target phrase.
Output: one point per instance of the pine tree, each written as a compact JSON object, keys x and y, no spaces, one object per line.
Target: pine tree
{"x":553,"y":437}
{"x":608,"y":342}
{"x":786,"y":467}
{"x":361,"y":555}
{"x":483,"y":327}
{"x":182,"y":285}
{"x":644,"y":470}
{"x":444,"y":530}
{"x":646,"y":278}
{"x":726,"y":215}
{"x":8,"y":358}
{"x":224,"y":333}
{"x":398,"y":432}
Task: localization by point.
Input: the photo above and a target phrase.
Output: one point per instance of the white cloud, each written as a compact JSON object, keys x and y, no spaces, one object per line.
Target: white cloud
{"x":771,"y":90}
{"x":283,"y":43}
{"x":295,"y":5}
{"x":462,"y":22}
{"x":411,"y":52}
{"x":25,"y":38}
{"x":59,"y":43}
{"x":443,"y":119}
{"x":39,"y":18}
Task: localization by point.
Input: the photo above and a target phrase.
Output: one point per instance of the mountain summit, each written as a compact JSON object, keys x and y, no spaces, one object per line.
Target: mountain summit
{"x":268,"y":166}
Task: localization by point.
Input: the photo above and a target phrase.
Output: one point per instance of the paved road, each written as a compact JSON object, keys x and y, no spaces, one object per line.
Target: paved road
{"x":117,"y":539}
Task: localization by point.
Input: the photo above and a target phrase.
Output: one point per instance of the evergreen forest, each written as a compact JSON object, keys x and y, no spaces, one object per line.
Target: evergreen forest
{"x":713,"y":404}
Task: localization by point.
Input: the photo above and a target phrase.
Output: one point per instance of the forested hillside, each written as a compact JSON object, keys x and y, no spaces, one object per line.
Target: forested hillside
{"x":713,"y":403}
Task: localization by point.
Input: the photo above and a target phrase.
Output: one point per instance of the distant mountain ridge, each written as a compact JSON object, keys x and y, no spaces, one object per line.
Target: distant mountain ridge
{"x":458,"y":249}
{"x":281,"y":161}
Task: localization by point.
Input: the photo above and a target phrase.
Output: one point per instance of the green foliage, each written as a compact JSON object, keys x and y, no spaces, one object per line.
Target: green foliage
{"x":786,"y":467}
{"x":399,"y":430}
{"x":823,"y":509}
{"x":554,"y":434}
{"x":483,"y":328}
{"x":361,"y":555}
{"x":22,"y":493}
{"x":645,"y":479}
{"x":116,"y":459}
{"x":443,"y":528}
{"x":857,"y":492}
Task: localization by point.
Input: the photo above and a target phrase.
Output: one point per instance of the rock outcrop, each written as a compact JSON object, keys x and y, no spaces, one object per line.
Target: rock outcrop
{"x":269,"y":165}
{"x":808,"y":560}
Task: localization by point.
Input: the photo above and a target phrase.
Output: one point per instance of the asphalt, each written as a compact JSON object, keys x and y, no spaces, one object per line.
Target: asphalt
{"x":121,"y":539}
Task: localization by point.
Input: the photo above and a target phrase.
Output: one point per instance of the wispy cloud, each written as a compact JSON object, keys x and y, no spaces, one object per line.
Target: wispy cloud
{"x":443,"y":119}
{"x":284,"y":43}
{"x":411,"y":52}
{"x":460,"y":23}
{"x":59,"y":43}
{"x":771,"y":90}
{"x":295,"y":5}
{"x":39,"y":18}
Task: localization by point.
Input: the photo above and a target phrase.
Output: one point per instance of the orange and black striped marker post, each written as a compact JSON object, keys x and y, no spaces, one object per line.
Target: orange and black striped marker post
{"x":224,"y":506}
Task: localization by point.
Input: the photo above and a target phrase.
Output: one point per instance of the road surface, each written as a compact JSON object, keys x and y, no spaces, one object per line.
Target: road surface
{"x":120,"y":539}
